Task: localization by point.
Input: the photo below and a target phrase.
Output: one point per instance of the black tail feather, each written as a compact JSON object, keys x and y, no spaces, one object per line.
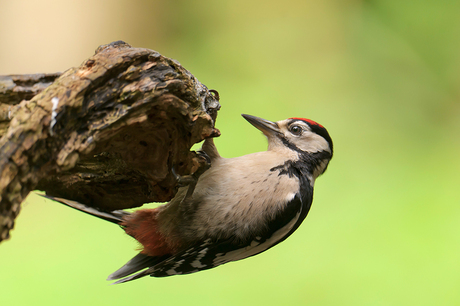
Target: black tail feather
{"x":133,"y":277}
{"x":136,"y":264}
{"x":115,"y":216}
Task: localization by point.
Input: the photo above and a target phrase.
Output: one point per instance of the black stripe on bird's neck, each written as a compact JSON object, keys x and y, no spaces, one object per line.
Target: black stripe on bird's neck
{"x":310,"y":161}
{"x":297,"y":169}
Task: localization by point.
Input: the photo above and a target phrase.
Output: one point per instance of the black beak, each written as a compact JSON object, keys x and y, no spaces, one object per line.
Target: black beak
{"x":267,"y":127}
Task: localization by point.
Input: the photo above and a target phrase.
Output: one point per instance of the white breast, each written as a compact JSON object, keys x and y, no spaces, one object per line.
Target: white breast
{"x":241,"y":194}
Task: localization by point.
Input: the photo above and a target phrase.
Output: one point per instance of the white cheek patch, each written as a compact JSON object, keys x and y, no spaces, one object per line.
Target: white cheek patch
{"x":313,"y":143}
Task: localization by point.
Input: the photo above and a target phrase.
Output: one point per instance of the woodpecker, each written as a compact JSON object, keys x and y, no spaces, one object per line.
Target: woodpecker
{"x":238,"y":208}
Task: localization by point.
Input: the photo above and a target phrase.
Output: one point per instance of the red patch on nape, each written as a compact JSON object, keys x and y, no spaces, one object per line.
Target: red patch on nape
{"x":142,"y":225}
{"x":308,"y":121}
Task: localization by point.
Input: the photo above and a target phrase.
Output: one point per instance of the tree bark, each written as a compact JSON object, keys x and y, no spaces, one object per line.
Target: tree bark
{"x":15,"y":88}
{"x":106,"y":134}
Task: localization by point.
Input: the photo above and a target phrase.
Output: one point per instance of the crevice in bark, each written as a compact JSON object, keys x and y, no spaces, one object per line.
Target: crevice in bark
{"x":106,"y":134}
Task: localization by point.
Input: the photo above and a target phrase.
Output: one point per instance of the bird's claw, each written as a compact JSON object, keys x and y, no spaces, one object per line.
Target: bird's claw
{"x":186,"y":180}
{"x":191,"y":180}
{"x":183,"y":180}
{"x":205,"y":163}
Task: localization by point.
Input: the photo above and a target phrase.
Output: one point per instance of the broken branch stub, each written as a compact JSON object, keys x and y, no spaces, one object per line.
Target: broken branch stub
{"x":107,"y":133}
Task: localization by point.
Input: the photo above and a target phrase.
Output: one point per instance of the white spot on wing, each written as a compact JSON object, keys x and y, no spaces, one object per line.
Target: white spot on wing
{"x":173,"y":271}
{"x":197,"y":263}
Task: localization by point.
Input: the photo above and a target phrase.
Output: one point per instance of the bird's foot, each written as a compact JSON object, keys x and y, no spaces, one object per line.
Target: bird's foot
{"x":204,"y":163}
{"x":183,"y":180}
{"x":191,"y":180}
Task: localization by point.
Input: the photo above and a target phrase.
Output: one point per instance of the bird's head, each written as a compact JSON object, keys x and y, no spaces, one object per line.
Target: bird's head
{"x":310,"y":140}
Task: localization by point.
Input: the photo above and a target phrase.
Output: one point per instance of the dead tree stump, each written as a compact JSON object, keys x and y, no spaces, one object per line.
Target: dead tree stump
{"x":106,"y":134}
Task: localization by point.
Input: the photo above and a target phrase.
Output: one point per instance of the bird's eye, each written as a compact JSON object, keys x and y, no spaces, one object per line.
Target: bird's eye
{"x":296,"y":130}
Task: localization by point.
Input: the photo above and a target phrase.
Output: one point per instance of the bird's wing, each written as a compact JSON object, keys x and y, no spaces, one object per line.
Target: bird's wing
{"x":210,"y":253}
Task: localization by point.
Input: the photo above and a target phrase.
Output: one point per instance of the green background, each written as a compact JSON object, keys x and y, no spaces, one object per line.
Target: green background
{"x":382,"y":76}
